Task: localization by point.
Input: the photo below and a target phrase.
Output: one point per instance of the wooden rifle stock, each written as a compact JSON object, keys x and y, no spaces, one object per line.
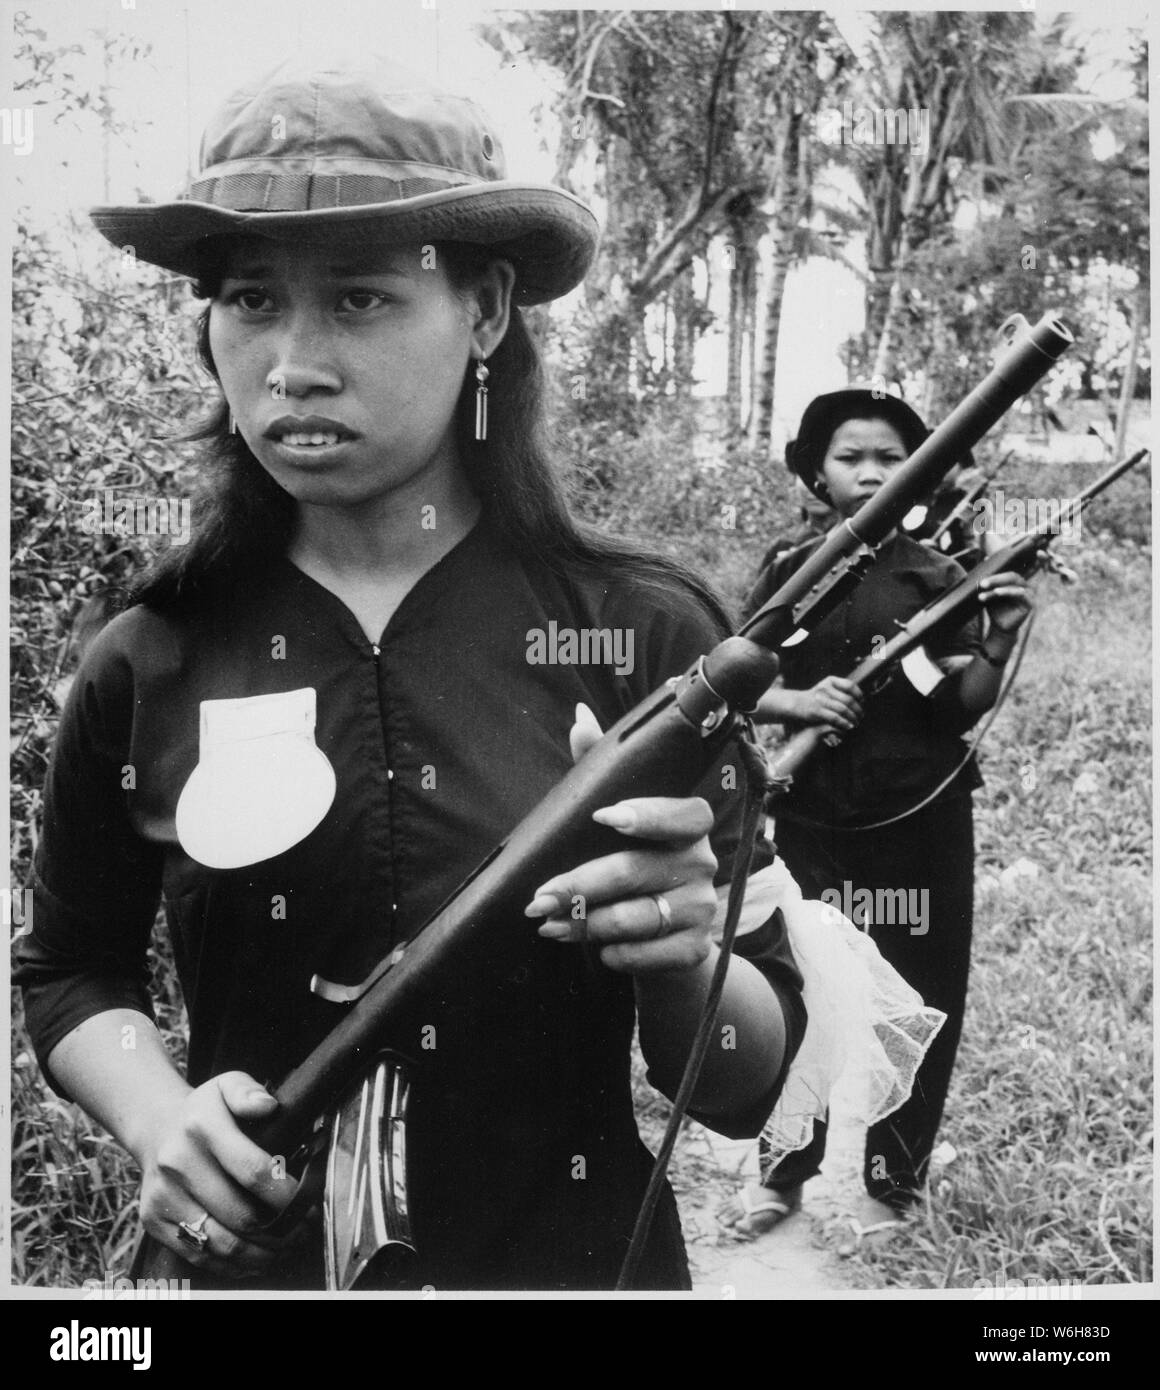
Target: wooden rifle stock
{"x":661,"y":748}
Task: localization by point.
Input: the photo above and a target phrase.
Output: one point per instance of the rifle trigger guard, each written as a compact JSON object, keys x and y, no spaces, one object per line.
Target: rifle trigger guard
{"x":312,"y":1158}
{"x":351,"y":994}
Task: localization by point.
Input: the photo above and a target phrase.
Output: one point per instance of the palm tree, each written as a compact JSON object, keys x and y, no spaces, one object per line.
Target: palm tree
{"x":960,"y":68}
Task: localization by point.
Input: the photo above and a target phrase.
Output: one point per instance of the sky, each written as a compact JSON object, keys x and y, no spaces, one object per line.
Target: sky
{"x":199,"y":50}
{"x":203,"y":49}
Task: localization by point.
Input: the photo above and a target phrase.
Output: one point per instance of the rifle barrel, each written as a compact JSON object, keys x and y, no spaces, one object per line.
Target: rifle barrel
{"x":1093,"y":489}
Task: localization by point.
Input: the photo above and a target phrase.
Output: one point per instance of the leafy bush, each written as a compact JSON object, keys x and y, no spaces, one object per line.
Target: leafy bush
{"x":102,"y":374}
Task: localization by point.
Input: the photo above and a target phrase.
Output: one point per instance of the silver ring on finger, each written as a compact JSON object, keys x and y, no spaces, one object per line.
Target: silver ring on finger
{"x":193,"y":1233}
{"x":664,"y":908}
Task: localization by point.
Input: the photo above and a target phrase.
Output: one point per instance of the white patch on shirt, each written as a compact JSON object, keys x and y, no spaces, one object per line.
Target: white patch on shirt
{"x":921,"y":671}
{"x":261,"y":783}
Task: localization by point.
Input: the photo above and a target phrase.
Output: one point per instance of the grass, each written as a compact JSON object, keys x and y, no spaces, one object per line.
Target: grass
{"x":74,"y":1190}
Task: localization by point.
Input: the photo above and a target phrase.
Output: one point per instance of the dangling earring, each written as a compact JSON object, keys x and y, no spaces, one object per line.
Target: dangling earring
{"x":481,"y":375}
{"x":233,"y":424}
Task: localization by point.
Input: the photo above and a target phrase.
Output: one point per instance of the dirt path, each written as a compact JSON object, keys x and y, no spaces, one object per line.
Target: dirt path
{"x":799,"y":1257}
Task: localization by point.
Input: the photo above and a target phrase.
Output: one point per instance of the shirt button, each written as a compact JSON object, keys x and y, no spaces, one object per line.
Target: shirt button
{"x":390,"y":774}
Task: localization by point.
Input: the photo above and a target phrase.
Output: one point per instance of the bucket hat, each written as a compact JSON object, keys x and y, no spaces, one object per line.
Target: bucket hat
{"x":825,"y":414}
{"x":363,"y":154}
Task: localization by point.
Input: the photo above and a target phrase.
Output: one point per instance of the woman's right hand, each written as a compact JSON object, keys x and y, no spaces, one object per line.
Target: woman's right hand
{"x":200,"y":1164}
{"x":835,"y":703}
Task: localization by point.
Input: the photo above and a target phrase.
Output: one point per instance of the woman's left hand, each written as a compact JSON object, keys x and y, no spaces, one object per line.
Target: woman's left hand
{"x":649,"y":908}
{"x":1007,"y":600}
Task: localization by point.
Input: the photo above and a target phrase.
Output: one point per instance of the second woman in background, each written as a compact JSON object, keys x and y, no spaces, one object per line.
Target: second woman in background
{"x":851,"y":821}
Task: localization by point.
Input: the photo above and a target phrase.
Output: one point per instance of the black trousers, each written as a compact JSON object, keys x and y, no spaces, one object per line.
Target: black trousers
{"x":932,"y":851}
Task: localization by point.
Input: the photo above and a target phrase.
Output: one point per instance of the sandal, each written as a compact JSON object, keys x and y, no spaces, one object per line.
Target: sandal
{"x":776,"y":1209}
{"x":848,"y":1248}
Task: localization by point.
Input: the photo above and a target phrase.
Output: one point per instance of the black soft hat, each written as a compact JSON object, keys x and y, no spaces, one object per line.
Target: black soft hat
{"x":825,"y":414}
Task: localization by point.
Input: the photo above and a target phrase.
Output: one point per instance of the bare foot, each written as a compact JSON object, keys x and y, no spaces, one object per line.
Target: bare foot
{"x":756,"y":1209}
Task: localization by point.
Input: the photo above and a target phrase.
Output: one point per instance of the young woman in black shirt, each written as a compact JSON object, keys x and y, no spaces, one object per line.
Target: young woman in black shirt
{"x":316,"y":719}
{"x":880,"y":825}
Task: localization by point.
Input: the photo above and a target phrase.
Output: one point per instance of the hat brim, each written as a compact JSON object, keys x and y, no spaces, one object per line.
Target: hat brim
{"x":549,"y":236}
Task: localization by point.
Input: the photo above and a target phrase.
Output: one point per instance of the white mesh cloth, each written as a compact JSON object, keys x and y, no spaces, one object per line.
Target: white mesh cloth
{"x":868,"y":1030}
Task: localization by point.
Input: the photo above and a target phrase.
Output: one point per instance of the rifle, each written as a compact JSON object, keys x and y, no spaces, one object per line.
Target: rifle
{"x":1021,"y":556}
{"x":966,"y":503}
{"x":663,"y":747}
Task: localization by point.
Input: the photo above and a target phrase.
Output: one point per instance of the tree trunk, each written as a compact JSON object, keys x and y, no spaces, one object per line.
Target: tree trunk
{"x":884,"y":352}
{"x":763,"y":405}
{"x":1128,"y":388}
{"x":785,"y":221}
{"x":882,"y":200}
{"x":645,"y":370}
{"x":742,"y":311}
{"x":935,"y":369}
{"x":751,"y":342}
{"x":684,"y":306}
{"x":736,"y":332}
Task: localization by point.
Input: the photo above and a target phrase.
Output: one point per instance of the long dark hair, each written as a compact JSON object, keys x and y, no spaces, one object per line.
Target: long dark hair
{"x":246,"y":520}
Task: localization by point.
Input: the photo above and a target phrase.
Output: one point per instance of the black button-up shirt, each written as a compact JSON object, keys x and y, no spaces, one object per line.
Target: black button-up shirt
{"x":907,"y":743}
{"x":442,"y":736}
